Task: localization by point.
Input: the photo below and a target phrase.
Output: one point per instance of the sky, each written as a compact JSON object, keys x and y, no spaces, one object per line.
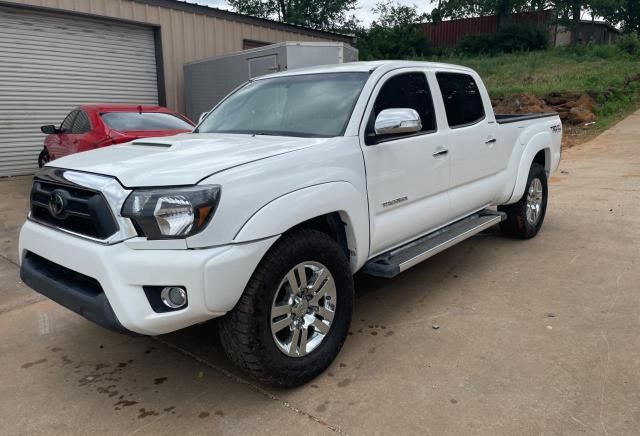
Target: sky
{"x":363,"y":13}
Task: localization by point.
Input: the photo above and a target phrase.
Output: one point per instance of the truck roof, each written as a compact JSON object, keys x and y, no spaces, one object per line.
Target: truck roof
{"x":354,"y":67}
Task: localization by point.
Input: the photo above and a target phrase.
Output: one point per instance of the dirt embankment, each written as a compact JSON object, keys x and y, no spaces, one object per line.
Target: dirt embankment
{"x":576,"y":111}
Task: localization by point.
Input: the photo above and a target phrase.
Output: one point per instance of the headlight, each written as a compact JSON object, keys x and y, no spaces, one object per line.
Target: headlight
{"x":172,"y":212}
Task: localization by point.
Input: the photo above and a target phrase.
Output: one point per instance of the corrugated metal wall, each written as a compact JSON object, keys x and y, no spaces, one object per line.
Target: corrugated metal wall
{"x":51,"y":63}
{"x":186,"y":36}
{"x":448,"y":33}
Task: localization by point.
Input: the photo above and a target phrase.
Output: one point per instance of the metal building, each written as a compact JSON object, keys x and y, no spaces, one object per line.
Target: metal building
{"x":208,"y":81}
{"x":56,"y":54}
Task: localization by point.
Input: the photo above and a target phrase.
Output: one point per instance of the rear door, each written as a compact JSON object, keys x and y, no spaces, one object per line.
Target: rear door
{"x":407,"y":175}
{"x":471,"y":137}
{"x":263,"y":65}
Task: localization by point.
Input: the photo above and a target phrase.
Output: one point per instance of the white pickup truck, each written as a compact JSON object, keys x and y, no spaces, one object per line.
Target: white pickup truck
{"x":264,"y":212}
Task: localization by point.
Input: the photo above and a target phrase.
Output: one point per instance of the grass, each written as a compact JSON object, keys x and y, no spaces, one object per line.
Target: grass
{"x":599,"y":70}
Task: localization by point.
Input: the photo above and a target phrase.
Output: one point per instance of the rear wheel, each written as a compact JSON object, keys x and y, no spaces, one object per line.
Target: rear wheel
{"x":43,"y":157}
{"x":525,"y":218}
{"x":294,"y":315}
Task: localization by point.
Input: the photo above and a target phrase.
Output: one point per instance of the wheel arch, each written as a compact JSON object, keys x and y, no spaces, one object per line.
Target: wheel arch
{"x":335,"y":208}
{"x":538,"y":150}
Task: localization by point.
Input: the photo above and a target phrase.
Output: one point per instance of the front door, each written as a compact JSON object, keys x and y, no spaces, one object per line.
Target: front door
{"x":407,"y":175}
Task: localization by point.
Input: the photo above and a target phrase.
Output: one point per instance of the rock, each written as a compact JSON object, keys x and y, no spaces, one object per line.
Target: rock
{"x":587,"y":102}
{"x":579,"y":115}
{"x":521,"y":104}
{"x":555,"y":100}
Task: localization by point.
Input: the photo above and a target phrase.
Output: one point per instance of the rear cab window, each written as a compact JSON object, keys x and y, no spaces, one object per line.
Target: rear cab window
{"x":404,"y":91}
{"x":144,"y":121}
{"x":462,"y":100}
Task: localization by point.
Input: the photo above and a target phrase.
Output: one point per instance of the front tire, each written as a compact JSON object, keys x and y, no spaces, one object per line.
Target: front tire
{"x":525,"y":218}
{"x":295,"y":312}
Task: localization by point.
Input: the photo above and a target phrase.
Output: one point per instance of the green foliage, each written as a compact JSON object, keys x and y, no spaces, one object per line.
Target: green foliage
{"x":395,"y":34}
{"x":510,"y":38}
{"x":473,"y":8}
{"x":477,"y":44}
{"x":325,"y":15}
{"x":625,"y":13}
{"x":608,"y":72}
{"x":629,"y":43}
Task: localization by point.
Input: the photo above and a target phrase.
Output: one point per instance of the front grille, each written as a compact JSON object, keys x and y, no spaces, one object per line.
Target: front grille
{"x":79,"y":210}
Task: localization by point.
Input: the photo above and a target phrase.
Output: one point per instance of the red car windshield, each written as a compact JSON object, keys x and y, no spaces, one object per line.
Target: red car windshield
{"x":136,"y":121}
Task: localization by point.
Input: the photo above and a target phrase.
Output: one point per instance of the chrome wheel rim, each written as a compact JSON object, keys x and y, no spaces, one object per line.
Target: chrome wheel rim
{"x":303,"y":309}
{"x":534,"y":201}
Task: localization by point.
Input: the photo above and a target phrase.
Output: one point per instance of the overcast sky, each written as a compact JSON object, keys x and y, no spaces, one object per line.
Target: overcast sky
{"x":363,"y":13}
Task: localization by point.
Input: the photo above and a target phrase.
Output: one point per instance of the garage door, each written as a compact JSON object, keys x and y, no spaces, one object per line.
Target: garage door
{"x":50,"y":63}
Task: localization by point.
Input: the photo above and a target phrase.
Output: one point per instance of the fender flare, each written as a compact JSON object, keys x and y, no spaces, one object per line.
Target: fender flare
{"x":293,"y":208}
{"x":537,"y":143}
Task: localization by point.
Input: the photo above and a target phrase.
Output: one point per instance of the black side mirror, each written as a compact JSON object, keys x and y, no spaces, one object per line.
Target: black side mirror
{"x":50,"y":129}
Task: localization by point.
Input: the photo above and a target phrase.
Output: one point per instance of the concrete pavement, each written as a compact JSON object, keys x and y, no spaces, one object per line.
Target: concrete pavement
{"x":493,"y":337}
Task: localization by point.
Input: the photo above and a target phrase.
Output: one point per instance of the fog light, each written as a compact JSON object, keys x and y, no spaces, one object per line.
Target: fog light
{"x":173,"y":297}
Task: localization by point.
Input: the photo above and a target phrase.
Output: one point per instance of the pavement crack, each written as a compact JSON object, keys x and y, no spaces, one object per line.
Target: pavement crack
{"x":9,"y":260}
{"x":604,"y":382}
{"x":251,"y":386}
{"x":22,"y":305}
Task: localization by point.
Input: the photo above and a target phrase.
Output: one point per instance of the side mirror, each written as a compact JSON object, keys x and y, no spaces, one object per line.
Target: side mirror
{"x":397,"y":121}
{"x":203,"y":115}
{"x":49,"y":129}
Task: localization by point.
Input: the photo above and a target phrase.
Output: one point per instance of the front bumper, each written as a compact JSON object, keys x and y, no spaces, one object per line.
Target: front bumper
{"x":214,"y":278}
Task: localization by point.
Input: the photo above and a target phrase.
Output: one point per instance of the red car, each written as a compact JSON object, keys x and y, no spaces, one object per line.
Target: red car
{"x":99,"y":125}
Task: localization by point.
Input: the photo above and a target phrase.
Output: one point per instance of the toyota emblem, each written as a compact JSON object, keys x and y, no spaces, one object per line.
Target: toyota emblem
{"x":56,"y":205}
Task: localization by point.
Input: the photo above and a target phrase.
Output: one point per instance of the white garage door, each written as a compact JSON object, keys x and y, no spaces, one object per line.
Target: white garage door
{"x":51,"y":63}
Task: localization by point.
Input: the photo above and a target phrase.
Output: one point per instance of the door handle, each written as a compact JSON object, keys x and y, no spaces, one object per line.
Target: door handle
{"x":441,"y":152}
{"x":491,"y":141}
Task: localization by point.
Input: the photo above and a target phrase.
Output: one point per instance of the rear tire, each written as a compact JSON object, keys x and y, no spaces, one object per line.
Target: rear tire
{"x":43,"y":157}
{"x":259,"y":334}
{"x":525,"y":218}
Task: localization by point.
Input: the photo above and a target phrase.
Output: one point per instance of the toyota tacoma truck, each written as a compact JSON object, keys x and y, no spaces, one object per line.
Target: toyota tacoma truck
{"x":262,"y":214}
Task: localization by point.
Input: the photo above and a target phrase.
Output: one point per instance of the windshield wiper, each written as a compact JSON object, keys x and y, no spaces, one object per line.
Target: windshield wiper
{"x":260,"y":133}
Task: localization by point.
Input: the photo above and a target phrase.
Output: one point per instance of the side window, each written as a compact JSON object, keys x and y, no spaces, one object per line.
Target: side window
{"x":409,"y":90}
{"x":462,"y":100}
{"x":81,"y":123}
{"x":68,"y":122}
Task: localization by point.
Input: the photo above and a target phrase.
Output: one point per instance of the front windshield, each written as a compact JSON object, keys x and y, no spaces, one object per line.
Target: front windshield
{"x":312,"y":105}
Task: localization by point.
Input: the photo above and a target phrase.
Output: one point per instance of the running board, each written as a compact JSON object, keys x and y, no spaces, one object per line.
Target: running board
{"x":394,"y":262}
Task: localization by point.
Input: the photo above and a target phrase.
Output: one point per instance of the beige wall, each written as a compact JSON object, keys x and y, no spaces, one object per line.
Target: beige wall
{"x":186,"y":36}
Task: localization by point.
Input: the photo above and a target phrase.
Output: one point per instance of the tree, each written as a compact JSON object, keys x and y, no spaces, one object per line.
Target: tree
{"x":477,"y":8}
{"x":626,"y":13}
{"x":324,"y":15}
{"x":395,"y":33}
{"x":570,"y":12}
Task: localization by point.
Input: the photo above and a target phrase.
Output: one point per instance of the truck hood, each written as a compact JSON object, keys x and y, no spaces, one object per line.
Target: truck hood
{"x":182,"y":159}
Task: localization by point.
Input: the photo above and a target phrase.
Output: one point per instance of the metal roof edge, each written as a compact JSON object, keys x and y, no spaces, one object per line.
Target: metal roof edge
{"x":248,"y":19}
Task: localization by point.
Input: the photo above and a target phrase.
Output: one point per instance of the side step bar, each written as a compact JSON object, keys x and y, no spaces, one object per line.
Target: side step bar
{"x":394,"y":262}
